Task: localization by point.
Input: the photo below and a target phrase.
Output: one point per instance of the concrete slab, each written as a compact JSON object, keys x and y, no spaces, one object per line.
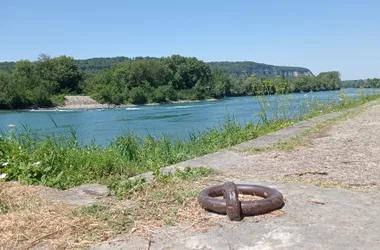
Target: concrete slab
{"x":82,"y":195}
{"x":227,"y":158}
{"x":315,"y":218}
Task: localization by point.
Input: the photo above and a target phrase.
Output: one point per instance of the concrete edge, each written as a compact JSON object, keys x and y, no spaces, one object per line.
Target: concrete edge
{"x":260,"y":142}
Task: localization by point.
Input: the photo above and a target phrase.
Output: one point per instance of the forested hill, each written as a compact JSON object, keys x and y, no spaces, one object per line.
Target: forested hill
{"x":95,"y":65}
{"x":118,"y":80}
{"x":259,"y":69}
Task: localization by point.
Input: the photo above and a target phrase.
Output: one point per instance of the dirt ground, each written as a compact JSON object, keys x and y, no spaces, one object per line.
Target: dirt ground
{"x":346,"y":154}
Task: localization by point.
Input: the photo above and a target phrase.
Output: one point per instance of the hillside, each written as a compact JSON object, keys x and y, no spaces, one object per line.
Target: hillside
{"x":121,"y":80}
{"x":95,"y":65}
{"x":259,"y":69}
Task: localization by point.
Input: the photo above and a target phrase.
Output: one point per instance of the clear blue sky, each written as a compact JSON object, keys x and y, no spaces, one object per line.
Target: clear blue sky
{"x":321,"y":35}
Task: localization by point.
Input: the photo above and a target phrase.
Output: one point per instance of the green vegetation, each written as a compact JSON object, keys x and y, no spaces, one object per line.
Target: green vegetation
{"x":96,"y":65}
{"x":253,"y":85}
{"x":7,"y":66}
{"x":3,"y":208}
{"x":368,"y":83}
{"x":63,"y":162}
{"x":37,"y":84}
{"x":304,"y":138}
{"x":44,"y":83}
{"x":166,"y":201}
{"x":187,"y":174}
{"x":142,"y":81}
{"x":117,"y":220}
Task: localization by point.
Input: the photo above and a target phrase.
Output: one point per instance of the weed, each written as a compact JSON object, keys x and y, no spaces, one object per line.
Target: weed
{"x":303,"y":139}
{"x":3,"y":208}
{"x":117,"y":219}
{"x":92,"y":209}
{"x":187,"y":174}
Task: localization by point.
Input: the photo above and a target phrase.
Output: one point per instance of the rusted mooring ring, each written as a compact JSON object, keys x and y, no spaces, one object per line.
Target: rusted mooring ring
{"x":236,"y":209}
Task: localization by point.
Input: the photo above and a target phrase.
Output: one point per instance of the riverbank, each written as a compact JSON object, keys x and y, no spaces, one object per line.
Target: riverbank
{"x":328,"y":177}
{"x":86,"y":102}
{"x":317,"y":180}
{"x":330,"y":185}
{"x":129,"y":155}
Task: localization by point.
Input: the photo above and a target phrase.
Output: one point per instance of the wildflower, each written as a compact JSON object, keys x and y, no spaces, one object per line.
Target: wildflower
{"x":5,"y":164}
{"x":2,"y":176}
{"x":36,"y":163}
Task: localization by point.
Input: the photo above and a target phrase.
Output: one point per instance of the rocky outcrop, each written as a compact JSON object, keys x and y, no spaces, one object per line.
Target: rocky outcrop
{"x":79,"y":100}
{"x":258,"y":69}
{"x":297,"y":73}
{"x":82,"y":102}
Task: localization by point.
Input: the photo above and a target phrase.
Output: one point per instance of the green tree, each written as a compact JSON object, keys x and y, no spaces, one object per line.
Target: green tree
{"x":5,"y":93}
{"x":137,"y":96}
{"x":67,"y":73}
{"x":221,"y":84}
{"x":186,"y":72}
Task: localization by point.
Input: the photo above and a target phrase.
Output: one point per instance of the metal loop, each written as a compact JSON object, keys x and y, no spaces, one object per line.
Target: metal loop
{"x":231,"y":196}
{"x":230,"y":205}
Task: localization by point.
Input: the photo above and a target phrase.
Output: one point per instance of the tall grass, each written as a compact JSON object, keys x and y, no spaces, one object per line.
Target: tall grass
{"x":62,"y":162}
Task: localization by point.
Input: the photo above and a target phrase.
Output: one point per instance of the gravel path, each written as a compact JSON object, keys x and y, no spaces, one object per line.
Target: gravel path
{"x":346,"y":154}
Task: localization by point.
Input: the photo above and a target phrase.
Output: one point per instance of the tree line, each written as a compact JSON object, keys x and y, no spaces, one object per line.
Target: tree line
{"x":368,"y":83}
{"x":40,"y":83}
{"x":43,"y":83}
{"x":96,"y":65}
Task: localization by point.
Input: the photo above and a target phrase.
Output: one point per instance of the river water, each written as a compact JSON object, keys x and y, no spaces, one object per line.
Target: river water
{"x":174,"y":120}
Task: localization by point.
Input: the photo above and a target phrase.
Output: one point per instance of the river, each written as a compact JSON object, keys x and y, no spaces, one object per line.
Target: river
{"x":174,"y":120}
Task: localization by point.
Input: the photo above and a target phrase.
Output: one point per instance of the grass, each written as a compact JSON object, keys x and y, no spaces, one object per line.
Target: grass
{"x":286,"y":145}
{"x":29,"y":220}
{"x":299,"y":178}
{"x":3,"y":207}
{"x":32,"y":221}
{"x":62,"y":162}
{"x":304,"y":138}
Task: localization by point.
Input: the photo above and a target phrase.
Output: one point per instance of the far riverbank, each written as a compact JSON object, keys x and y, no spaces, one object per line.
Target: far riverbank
{"x":86,"y":102}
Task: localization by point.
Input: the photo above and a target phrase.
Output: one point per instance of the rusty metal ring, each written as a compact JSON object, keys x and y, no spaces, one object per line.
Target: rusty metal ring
{"x":273,"y":199}
{"x":231,"y":196}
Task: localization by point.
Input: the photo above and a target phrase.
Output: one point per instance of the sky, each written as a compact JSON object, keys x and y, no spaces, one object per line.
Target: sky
{"x":341,"y":35}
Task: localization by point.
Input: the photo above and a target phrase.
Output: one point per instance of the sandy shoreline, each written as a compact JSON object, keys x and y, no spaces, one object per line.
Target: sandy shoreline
{"x":95,"y":105}
{"x":84,"y":105}
{"x":86,"y":102}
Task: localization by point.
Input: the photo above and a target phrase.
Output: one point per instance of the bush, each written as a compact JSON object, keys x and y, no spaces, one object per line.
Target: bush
{"x":137,"y":96}
{"x":58,"y":100}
